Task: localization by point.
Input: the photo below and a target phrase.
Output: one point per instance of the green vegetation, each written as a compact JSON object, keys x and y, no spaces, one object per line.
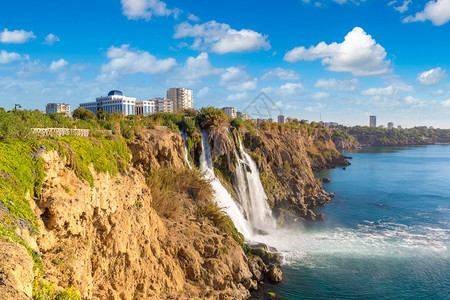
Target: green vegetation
{"x":43,"y":290}
{"x":214,"y":213}
{"x":374,"y":136}
{"x":211,"y":116}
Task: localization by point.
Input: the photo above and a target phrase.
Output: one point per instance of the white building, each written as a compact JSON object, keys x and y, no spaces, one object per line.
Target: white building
{"x":115,"y":102}
{"x":181,"y":98}
{"x":230,"y":111}
{"x":163,"y":105}
{"x":57,"y":108}
{"x":145,"y":108}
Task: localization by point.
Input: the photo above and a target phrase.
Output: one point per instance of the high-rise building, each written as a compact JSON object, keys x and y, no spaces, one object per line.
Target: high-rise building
{"x":399,"y":127}
{"x":115,"y":102}
{"x":57,"y":108}
{"x":181,"y":98}
{"x":373,"y":121}
{"x":390,"y":125}
{"x":281,"y":119}
{"x":230,"y":111}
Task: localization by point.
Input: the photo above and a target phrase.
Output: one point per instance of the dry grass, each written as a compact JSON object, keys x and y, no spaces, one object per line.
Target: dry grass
{"x":175,"y":189}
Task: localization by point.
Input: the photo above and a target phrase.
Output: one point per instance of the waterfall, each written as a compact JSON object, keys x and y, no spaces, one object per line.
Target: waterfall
{"x":221,"y":195}
{"x":251,"y":193}
{"x":186,"y":155}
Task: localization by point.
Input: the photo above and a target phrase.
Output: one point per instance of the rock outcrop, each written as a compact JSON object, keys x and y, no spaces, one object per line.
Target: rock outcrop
{"x":16,"y":272}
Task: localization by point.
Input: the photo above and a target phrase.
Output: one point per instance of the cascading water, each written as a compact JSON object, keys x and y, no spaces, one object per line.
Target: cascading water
{"x":251,"y":192}
{"x":186,"y":155}
{"x":221,"y":195}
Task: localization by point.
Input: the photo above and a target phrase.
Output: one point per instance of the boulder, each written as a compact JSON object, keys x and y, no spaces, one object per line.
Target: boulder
{"x":274,"y":274}
{"x":325,"y":180}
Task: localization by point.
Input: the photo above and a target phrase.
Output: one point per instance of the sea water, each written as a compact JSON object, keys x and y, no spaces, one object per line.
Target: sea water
{"x":386,"y":233}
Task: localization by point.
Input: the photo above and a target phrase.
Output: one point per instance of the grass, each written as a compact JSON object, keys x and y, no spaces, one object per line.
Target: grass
{"x":171,"y":188}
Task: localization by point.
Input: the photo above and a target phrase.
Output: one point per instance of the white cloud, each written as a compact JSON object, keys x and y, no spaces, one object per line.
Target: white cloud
{"x":237,"y":97}
{"x":446,"y":103}
{"x":221,"y":38}
{"x":9,"y":57}
{"x":16,"y":36}
{"x":358,"y":53}
{"x":337,"y":85}
{"x":144,"y":9}
{"x":280,"y":74}
{"x":438,"y":12}
{"x":124,"y":60}
{"x":193,"y":18}
{"x":389,"y":91}
{"x":58,"y":65}
{"x":439,"y":92}
{"x":235,"y":79}
{"x":320,"y":95}
{"x":432,"y":77}
{"x":50,"y":39}
{"x":194,"y":70}
{"x":203,"y":92}
{"x":286,"y":90}
{"x":402,"y":8}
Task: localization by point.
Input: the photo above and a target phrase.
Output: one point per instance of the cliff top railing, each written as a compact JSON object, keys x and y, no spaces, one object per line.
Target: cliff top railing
{"x":42,"y":132}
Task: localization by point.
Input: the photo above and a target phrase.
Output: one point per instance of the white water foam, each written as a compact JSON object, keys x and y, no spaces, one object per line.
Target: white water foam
{"x":251,"y":193}
{"x":186,"y":155}
{"x":221,"y":195}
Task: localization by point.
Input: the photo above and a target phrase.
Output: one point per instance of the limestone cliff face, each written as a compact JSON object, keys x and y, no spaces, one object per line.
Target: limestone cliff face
{"x":286,"y":159}
{"x":286,"y":172}
{"x":110,"y":243}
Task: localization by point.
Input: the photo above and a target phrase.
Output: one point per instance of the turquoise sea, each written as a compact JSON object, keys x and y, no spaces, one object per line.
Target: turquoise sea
{"x":386,"y":233}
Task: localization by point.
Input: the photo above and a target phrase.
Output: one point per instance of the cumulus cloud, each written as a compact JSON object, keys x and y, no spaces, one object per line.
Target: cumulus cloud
{"x":235,"y":79}
{"x":432,"y":77}
{"x":337,"y":85}
{"x":144,"y":9}
{"x":286,"y":90}
{"x":16,"y":36}
{"x":280,"y":74}
{"x":359,"y":54}
{"x":320,"y":95}
{"x":221,"y":38}
{"x":124,"y":60}
{"x":50,"y":39}
{"x":438,"y":12}
{"x":194,"y":70}
{"x":58,"y":65}
{"x":9,"y":57}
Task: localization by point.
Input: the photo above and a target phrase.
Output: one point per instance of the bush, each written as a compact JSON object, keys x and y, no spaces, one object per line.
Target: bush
{"x":211,"y":116}
{"x":83,"y":114}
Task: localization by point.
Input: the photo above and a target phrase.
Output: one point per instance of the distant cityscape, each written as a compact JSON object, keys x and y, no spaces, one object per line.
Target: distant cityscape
{"x":177,"y":99}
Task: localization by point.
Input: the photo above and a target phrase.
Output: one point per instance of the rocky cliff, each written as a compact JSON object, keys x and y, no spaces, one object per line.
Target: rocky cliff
{"x":106,"y":220}
{"x":286,"y":158}
{"x":147,"y":232}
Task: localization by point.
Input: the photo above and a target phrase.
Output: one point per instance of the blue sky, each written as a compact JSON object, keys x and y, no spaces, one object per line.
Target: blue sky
{"x":342,"y":60}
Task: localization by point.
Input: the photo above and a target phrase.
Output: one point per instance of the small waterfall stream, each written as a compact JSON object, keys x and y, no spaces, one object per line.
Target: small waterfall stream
{"x":221,"y":195}
{"x":186,"y":155}
{"x":251,"y":193}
